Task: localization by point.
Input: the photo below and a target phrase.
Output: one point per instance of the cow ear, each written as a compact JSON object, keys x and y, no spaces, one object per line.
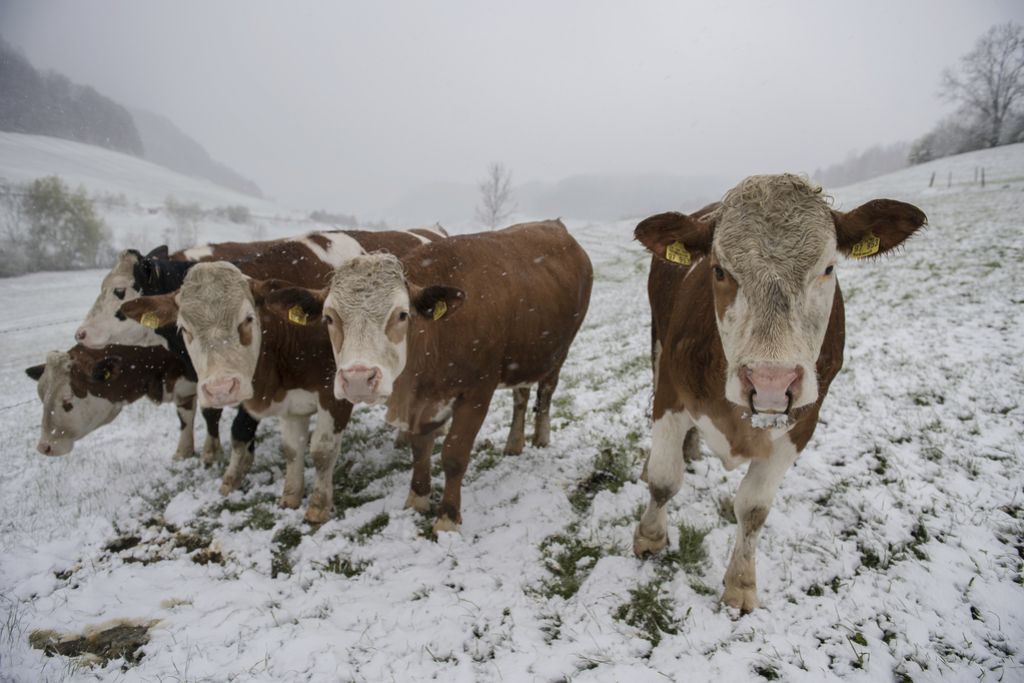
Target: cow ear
{"x":675,"y":237}
{"x":435,"y":302}
{"x":297,"y":305}
{"x":35,"y":371}
{"x":162,"y":252}
{"x":152,"y":311}
{"x":107,"y":369}
{"x":876,"y":227}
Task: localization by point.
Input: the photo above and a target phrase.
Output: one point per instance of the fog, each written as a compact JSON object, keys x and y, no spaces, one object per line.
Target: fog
{"x":357,"y":107}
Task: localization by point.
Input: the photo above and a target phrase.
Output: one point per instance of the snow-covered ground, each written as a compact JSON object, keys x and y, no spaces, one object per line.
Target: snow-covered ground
{"x":894,"y":550}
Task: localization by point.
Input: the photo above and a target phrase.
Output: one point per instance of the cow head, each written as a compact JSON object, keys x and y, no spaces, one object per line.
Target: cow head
{"x":70,"y":410}
{"x":771,"y":248}
{"x":368,"y":309}
{"x":103,"y":325}
{"x":216,"y":311}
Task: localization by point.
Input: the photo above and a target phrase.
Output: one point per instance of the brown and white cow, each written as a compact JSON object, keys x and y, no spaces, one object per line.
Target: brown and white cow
{"x":307,"y":259}
{"x":83,"y":389}
{"x":435,"y":333}
{"x":748,"y":334}
{"x":244,"y":353}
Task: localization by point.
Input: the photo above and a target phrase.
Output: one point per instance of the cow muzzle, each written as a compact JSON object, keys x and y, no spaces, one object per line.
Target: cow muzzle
{"x":54,"y":448}
{"x":359,"y":383}
{"x":771,"y":388}
{"x":220,"y":392}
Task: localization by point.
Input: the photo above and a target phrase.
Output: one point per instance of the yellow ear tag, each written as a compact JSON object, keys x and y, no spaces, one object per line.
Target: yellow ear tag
{"x":150,"y":319}
{"x":676,"y":253}
{"x":440,"y":308}
{"x":106,"y":375}
{"x":297,"y":315}
{"x":866,"y":247}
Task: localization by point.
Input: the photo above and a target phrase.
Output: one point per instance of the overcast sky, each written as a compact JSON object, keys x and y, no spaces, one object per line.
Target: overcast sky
{"x":347,"y":105}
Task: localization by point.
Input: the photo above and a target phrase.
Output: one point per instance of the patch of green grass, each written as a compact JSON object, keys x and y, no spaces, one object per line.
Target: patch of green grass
{"x":486,"y":456}
{"x":649,"y":612}
{"x":569,"y":559}
{"x":690,"y":553}
{"x":373,"y":527}
{"x":701,"y":588}
{"x":284,"y":540}
{"x":260,"y":518}
{"x":767,"y":672}
{"x":612,"y":468}
{"x":344,"y":566}
{"x":239,"y":505}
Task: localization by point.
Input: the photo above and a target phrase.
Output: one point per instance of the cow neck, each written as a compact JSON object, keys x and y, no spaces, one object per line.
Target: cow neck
{"x":145,"y":371}
{"x":291,"y":357}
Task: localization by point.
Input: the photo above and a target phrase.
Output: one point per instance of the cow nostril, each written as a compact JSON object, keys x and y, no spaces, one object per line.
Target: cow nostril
{"x":80,"y":335}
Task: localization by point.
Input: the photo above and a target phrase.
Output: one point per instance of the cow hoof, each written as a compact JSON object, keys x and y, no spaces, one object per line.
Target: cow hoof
{"x":317,"y":515}
{"x":227,"y":487}
{"x":184,"y":455}
{"x":515,"y":447}
{"x":420,"y":504}
{"x":289,"y":501}
{"x":743,"y":599}
{"x":445,"y":524}
{"x":211,"y":453}
{"x":646,"y":547}
{"x":541,"y":440}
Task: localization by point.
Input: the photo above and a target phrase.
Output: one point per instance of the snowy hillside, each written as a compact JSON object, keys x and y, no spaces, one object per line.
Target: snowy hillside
{"x":130,"y":194}
{"x":893,"y":551}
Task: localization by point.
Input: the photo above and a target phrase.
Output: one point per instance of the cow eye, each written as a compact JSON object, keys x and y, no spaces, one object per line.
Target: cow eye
{"x":249,"y":318}
{"x":828,"y":271}
{"x":187,"y":335}
{"x":719,"y":273}
{"x":67,"y":406}
{"x":328,"y":319}
{"x":119,"y":292}
{"x":403,"y":316}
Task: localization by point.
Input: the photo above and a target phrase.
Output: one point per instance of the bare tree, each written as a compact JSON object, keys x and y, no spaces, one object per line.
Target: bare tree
{"x":496,"y":203}
{"x":990,"y":78}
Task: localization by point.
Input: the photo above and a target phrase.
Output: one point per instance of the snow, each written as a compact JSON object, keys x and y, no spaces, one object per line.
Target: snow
{"x":893,"y":547}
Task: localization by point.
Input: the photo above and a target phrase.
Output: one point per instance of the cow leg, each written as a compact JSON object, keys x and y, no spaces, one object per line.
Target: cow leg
{"x":753,"y":501}
{"x":542,"y":421}
{"x":402,"y":439}
{"x":325,"y":447}
{"x":243,"y":445}
{"x":294,"y":434}
{"x":516,"y":433}
{"x":212,"y":451}
{"x":186,"y":407}
{"x":419,"y":490}
{"x":467,"y":416}
{"x":664,"y":471}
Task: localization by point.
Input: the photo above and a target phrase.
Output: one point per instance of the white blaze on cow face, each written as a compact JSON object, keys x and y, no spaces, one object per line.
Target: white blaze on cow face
{"x":367,"y":315}
{"x":221,"y":329}
{"x":772,"y":262}
{"x":67,"y":417}
{"x":102,"y":326}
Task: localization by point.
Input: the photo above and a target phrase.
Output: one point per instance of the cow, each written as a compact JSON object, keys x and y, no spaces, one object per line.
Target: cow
{"x":83,"y":389}
{"x":434,"y":333}
{"x":306,"y":259}
{"x":748,"y":332}
{"x":245,"y":354}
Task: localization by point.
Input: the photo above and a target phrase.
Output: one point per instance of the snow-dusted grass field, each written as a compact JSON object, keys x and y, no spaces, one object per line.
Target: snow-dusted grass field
{"x":894,"y":550}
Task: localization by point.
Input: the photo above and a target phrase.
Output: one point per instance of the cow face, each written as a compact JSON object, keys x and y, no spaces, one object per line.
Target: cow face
{"x":368,"y":309}
{"x":102,"y":325}
{"x":70,"y":411}
{"x":216,"y":312}
{"x":771,"y":248}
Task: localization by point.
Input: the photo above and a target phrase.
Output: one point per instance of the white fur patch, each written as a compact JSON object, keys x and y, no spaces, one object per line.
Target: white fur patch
{"x":198,"y":253}
{"x":341,"y":248}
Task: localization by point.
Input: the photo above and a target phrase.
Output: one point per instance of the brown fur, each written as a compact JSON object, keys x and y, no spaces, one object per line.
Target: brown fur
{"x":515,"y":327}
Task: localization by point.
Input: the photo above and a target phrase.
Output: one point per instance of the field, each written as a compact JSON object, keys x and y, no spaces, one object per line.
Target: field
{"x":894,"y":550}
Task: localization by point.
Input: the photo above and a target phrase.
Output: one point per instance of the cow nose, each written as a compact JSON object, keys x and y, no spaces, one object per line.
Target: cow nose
{"x":45,"y":447}
{"x":221,"y":391}
{"x":771,"y":388}
{"x":80,"y":334}
{"x":359,"y":382}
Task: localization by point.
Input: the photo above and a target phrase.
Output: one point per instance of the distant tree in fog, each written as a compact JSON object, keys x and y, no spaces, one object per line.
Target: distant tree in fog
{"x":496,"y":203}
{"x":989,"y":80}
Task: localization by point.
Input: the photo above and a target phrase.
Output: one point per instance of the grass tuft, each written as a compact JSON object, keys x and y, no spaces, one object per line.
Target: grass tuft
{"x":649,"y":612}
